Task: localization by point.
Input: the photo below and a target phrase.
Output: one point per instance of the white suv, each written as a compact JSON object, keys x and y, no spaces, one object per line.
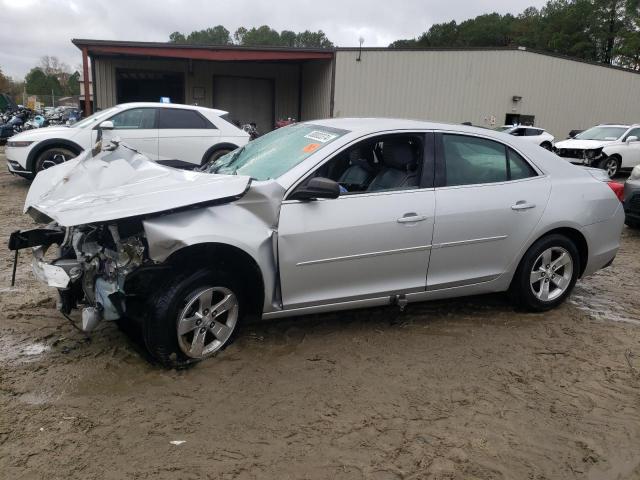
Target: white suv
{"x":588,"y":147}
{"x":539,"y":136}
{"x":177,"y":135}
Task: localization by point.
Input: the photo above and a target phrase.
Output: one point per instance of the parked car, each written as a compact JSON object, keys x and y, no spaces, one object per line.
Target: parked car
{"x":632,"y":198}
{"x":586,"y":148}
{"x":622,"y":155}
{"x":181,"y":135}
{"x":315,"y":217}
{"x":535,"y":135}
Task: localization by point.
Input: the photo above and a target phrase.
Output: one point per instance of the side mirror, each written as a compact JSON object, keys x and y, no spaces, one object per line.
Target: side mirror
{"x":632,"y":139}
{"x":317,"y":187}
{"x":106,"y":125}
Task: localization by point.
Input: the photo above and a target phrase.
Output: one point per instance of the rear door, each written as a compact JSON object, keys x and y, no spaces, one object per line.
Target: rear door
{"x":488,"y":201}
{"x":137,"y":127}
{"x":184,"y":135}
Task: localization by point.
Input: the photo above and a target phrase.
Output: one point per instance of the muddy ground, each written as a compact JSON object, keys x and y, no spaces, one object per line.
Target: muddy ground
{"x":464,"y":389}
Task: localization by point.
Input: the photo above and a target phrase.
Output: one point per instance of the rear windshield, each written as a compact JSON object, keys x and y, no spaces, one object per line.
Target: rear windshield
{"x":275,"y":153}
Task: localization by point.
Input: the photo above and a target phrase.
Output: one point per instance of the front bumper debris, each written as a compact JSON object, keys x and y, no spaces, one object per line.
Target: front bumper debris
{"x":58,"y":274}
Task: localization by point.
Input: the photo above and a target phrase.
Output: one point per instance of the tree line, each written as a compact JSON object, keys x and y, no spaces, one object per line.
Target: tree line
{"x":255,"y":36}
{"x":50,"y":76}
{"x":604,"y":31}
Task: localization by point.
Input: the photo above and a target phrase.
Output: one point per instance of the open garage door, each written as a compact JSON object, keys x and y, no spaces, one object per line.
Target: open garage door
{"x":146,"y":86}
{"x":246,"y":99}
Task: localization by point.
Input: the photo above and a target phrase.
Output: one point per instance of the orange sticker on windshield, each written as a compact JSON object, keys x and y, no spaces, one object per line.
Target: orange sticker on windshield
{"x":311,"y":147}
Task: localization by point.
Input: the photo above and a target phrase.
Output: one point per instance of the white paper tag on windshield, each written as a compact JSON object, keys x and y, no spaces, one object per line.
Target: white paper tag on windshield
{"x":319,"y":136}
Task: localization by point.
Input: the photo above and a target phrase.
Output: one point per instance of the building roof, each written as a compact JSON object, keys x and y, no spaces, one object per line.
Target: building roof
{"x":201,"y":52}
{"x":269,"y":53}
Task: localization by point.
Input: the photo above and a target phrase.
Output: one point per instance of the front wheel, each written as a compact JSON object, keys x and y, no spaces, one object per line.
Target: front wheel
{"x":52,"y":157}
{"x":547,"y":273}
{"x":193,"y":318}
{"x":547,"y":146}
{"x":611,"y":165}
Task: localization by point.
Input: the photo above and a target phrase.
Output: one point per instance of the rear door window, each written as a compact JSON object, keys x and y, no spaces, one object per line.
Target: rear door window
{"x":179,"y":119}
{"x":474,"y":160}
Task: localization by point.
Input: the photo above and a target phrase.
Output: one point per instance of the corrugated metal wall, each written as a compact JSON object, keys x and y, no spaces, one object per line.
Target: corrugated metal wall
{"x":286,"y":78}
{"x":458,"y":86}
{"x":316,"y":89}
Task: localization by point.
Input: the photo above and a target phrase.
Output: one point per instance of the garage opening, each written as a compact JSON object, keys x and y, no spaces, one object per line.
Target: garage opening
{"x":247,"y":99}
{"x":517,"y":119}
{"x":148,"y":86}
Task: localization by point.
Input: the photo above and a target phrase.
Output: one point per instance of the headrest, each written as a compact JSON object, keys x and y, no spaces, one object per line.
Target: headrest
{"x":398,"y":155}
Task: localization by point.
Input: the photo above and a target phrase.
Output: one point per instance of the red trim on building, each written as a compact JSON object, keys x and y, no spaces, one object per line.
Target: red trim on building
{"x":210,"y":54}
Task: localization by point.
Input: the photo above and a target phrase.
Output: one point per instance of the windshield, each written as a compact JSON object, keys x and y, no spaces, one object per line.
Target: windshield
{"x":277,"y":152}
{"x":92,"y":118}
{"x":602,"y":133}
{"x":504,"y":129}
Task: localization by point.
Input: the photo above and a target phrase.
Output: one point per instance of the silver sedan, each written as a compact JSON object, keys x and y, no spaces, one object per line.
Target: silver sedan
{"x":315,"y":217}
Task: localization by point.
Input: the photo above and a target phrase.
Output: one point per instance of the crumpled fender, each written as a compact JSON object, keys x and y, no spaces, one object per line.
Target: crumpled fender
{"x":248,"y":224}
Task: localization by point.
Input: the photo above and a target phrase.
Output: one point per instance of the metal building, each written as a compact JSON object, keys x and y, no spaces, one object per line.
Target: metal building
{"x":487,"y":87}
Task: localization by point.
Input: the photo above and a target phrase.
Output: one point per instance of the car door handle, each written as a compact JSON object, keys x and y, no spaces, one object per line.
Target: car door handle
{"x":412,"y":218}
{"x":522,"y":205}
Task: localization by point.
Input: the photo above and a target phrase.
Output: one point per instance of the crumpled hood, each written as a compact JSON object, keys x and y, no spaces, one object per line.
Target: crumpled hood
{"x":122,"y":184}
{"x":578,"y":144}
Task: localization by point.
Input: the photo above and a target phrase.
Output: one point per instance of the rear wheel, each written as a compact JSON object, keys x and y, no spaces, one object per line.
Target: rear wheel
{"x":193,"y":318}
{"x":546,"y":146}
{"x":611,"y":165}
{"x":547,"y":273}
{"x":52,"y":157}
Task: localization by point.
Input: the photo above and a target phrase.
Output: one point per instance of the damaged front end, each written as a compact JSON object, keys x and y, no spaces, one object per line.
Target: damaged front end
{"x":89,"y":267}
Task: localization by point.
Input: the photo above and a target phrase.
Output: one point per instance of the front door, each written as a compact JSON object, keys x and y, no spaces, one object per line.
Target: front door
{"x":137,"y":128}
{"x":372,"y":241}
{"x":630,"y":151}
{"x":488,"y":201}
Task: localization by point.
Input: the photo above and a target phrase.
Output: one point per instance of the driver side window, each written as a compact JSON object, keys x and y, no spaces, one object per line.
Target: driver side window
{"x":384,"y":163}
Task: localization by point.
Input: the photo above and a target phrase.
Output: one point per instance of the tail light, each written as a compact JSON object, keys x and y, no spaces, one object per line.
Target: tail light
{"x":618,"y":189}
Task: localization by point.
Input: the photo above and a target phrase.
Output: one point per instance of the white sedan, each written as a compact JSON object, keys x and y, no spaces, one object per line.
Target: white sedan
{"x":177,"y":135}
{"x":535,"y":135}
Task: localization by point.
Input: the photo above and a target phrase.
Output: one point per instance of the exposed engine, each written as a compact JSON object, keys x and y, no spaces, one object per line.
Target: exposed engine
{"x":105,"y":259}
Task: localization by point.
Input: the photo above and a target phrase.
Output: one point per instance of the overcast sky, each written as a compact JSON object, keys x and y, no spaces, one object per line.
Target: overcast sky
{"x":33,"y":28}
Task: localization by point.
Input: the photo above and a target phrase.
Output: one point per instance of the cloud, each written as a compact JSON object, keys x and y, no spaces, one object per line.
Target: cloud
{"x":33,"y":28}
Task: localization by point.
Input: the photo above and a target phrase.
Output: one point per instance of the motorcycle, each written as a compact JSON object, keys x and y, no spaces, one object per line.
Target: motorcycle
{"x":252,"y":130}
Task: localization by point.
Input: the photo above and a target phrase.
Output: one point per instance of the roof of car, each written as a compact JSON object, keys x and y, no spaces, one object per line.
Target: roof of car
{"x":213,"y":111}
{"x":371,"y":125}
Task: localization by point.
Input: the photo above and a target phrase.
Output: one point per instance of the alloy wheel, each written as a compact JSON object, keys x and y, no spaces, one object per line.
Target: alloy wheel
{"x":611,"y":166}
{"x":207,"y":321}
{"x":551,"y":274}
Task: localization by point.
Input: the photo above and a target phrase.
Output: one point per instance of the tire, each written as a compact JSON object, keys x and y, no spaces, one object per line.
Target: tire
{"x":546,"y":146}
{"x":611,"y":165}
{"x":51,"y":157}
{"x":634,"y":224}
{"x":216,"y":155}
{"x":530,"y":295}
{"x":176,"y":307}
